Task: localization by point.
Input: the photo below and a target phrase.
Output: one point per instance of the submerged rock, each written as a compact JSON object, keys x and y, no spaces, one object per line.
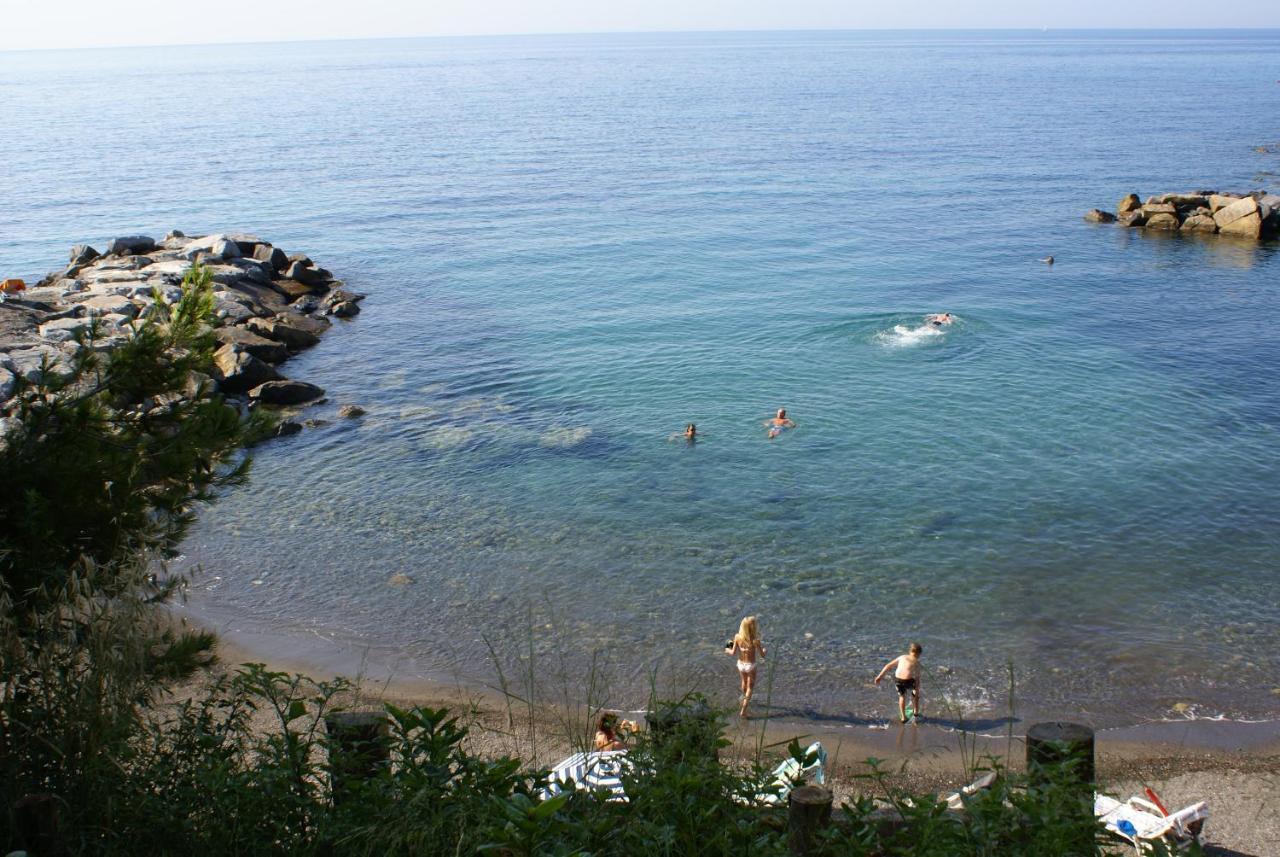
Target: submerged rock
{"x":1097,"y":215}
{"x":351,"y":411}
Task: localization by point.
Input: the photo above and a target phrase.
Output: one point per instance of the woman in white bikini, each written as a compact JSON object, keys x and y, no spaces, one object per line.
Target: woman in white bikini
{"x":747,"y":647}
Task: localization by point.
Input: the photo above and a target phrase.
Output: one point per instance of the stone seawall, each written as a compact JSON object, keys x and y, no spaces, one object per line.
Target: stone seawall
{"x":270,"y":305}
{"x":1253,"y":215}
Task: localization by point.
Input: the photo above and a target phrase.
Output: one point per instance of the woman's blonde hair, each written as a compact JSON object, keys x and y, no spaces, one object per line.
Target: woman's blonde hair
{"x":747,"y":630}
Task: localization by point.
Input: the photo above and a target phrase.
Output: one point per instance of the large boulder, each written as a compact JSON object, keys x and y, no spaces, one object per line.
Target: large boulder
{"x":264,"y":349}
{"x":345,"y":309}
{"x":293,"y":290}
{"x":304,"y":274}
{"x":1221,"y":200}
{"x":1162,"y":220}
{"x":286,"y":393}
{"x":82,"y":254}
{"x":291,"y":336}
{"x":255,"y":270}
{"x":1136,"y":217}
{"x":247,"y":244}
{"x":1182,"y":200}
{"x":1129,"y":203}
{"x":239,"y":372}
{"x":273,"y":256}
{"x":31,"y":363}
{"x":8,"y":381}
{"x":1199,"y":222}
{"x":110,"y":305}
{"x":64,"y":329}
{"x":1096,"y":215}
{"x":130,"y":245}
{"x":1241,"y":217}
{"x":212,"y":247}
{"x":1151,"y":208}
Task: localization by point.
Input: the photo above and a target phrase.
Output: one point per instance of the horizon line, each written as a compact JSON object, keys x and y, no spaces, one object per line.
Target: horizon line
{"x":708,"y":31}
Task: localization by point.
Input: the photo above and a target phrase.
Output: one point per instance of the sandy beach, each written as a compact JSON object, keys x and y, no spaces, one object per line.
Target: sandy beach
{"x":1235,"y":767}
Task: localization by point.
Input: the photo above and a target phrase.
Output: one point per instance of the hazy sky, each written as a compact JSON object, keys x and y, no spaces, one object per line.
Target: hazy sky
{"x":28,"y":24}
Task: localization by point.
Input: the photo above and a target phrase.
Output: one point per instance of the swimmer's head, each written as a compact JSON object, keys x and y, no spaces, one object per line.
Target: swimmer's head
{"x":782,"y":413}
{"x":690,"y":430}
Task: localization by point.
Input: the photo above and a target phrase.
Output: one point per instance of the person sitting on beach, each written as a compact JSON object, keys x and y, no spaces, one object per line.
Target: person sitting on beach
{"x":779,"y":423}
{"x":938,"y":319}
{"x":907,"y":678}
{"x":610,"y":731}
{"x":748,"y":648}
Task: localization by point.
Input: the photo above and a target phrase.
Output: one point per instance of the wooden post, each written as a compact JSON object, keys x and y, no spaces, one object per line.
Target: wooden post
{"x":1057,"y":744}
{"x":810,"y":814}
{"x":358,"y":747}
{"x":36,"y":820}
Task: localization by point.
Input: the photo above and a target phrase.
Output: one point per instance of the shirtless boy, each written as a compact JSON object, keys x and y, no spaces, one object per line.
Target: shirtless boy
{"x":907,"y":678}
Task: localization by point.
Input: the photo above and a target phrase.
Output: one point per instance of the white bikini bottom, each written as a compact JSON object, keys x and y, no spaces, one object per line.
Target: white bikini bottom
{"x":746,"y":667}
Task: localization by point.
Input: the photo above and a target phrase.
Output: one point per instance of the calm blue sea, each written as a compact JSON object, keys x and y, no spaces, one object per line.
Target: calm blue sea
{"x":573,"y":246}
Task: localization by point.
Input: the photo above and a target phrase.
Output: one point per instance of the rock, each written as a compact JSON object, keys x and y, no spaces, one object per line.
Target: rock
{"x":303,"y":258}
{"x":1133,"y":218}
{"x":211,"y":247}
{"x":1182,"y":200}
{"x":259,"y":272}
{"x":264,"y":349}
{"x":284,"y":428}
{"x":1221,"y":200}
{"x":293,"y":290}
{"x":110,"y":304}
{"x":1162,"y":220}
{"x":1241,"y":217}
{"x":304,"y":274}
{"x":310,"y":324}
{"x":314,"y":423}
{"x":1096,"y":215}
{"x":338,"y":296}
{"x":82,"y":254}
{"x":351,"y":411}
{"x":130,"y":245}
{"x":346,"y":309}
{"x":273,"y":256}
{"x":233,"y":311}
{"x":400,"y":579}
{"x":1151,"y":208}
{"x":238,"y":371}
{"x":1128,"y":204}
{"x":29,"y":363}
{"x":63,"y":329}
{"x":8,"y":382}
{"x":247,"y":244}
{"x":285,"y":392}
{"x":1199,"y":223}
{"x":1249,"y":226}
{"x":291,"y":336}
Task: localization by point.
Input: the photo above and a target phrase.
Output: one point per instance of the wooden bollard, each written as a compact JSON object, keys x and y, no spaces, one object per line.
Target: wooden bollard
{"x":1056,"y":745}
{"x":809,"y":816}
{"x":358,"y":747}
{"x":35,"y":818}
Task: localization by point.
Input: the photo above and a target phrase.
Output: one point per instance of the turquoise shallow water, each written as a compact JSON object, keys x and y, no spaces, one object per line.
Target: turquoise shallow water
{"x":575,"y":245}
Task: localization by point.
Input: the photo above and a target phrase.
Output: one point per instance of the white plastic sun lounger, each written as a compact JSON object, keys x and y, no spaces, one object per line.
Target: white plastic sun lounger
{"x":790,"y":773}
{"x":1141,"y":823}
{"x":955,"y":800}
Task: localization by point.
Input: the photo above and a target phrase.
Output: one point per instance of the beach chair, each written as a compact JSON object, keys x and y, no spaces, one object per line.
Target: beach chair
{"x":1142,"y":824}
{"x":791,"y":773}
{"x":955,"y":800}
{"x":595,"y":771}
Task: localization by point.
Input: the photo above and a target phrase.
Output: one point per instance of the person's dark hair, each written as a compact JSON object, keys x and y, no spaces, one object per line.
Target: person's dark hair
{"x":915,"y":648}
{"x":608,"y":725}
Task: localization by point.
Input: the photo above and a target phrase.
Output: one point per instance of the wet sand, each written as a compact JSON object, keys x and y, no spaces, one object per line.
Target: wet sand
{"x":1233,"y":766}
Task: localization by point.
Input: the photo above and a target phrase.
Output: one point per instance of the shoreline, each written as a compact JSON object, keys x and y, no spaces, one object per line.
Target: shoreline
{"x":1234,"y":767}
{"x":324,"y":657}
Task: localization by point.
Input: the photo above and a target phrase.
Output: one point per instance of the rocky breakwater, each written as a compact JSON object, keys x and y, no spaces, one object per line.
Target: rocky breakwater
{"x":1253,"y":215}
{"x":269,"y":305}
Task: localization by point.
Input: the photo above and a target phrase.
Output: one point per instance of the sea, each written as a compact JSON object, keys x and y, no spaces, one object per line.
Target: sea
{"x":573,"y":246}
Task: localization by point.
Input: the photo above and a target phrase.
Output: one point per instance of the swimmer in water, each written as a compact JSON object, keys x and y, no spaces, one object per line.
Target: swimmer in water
{"x":778,"y":423}
{"x":689,"y":435}
{"x":938,"y":319}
